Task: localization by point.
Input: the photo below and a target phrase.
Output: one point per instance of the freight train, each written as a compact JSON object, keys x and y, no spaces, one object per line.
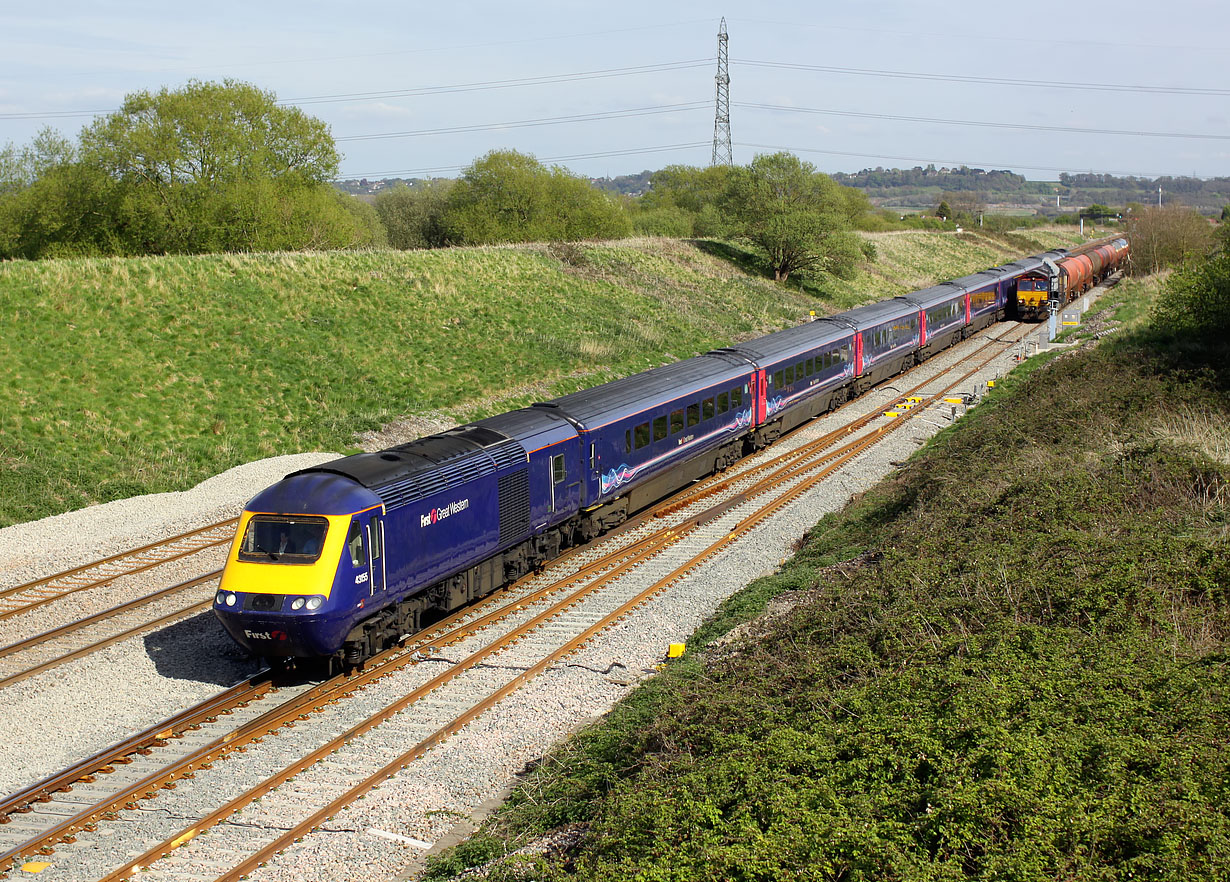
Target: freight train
{"x":1057,"y":282}
{"x":346,"y":558}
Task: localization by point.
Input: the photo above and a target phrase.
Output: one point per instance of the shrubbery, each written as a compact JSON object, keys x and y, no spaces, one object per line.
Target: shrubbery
{"x":1197,"y":298}
{"x":206,"y":168}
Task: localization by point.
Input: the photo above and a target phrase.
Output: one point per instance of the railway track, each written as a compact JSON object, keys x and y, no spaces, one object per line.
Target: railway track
{"x":543,"y":622}
{"x":20,"y":599}
{"x":72,"y":631}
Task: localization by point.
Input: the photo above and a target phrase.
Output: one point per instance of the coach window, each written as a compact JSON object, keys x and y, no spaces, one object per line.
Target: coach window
{"x":354,"y":542}
{"x":642,"y":435}
{"x":789,"y":375}
{"x":810,"y":367}
{"x":558,"y":472}
{"x":736,"y":397}
{"x":627,"y":440}
{"x":677,"y":421}
{"x":723,"y":403}
{"x":693,"y":415}
{"x":779,"y":380}
{"x":659,"y":428}
{"x":798,"y":370}
{"x":707,"y":409}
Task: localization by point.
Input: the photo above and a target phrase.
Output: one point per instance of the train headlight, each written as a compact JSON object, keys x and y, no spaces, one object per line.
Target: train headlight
{"x":297,"y":603}
{"x":315,"y":602}
{"x":229,"y":599}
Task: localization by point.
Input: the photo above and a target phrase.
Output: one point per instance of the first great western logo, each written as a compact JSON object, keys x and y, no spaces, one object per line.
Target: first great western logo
{"x":438,"y":514}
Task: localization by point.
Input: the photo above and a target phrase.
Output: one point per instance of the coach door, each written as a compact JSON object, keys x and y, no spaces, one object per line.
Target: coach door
{"x":375,"y":553}
{"x":760,"y":395}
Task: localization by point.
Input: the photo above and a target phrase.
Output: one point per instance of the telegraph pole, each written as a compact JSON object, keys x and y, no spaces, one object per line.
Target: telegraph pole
{"x":721,"y":124}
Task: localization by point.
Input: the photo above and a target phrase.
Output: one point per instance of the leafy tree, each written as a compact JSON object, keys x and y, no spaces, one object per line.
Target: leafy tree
{"x":53,"y":204}
{"x":414,"y":216}
{"x":795,"y":215}
{"x":1097,"y":211}
{"x":508,"y":196}
{"x":1225,"y":214}
{"x":686,"y":192}
{"x":688,"y":187}
{"x":943,"y":210}
{"x":211,"y":165}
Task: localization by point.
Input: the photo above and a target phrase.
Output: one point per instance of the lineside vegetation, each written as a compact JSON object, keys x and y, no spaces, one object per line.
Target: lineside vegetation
{"x":1008,"y":661}
{"x":127,"y":376}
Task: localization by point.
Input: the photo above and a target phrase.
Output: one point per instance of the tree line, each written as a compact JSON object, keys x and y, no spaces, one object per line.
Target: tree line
{"x":222,"y":166}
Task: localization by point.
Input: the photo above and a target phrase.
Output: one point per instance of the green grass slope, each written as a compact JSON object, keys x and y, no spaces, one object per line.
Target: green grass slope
{"x":129,"y":376}
{"x":1008,"y":661}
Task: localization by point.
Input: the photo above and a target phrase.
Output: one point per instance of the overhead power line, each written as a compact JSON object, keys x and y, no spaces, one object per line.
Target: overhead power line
{"x":528,"y":123}
{"x":634,"y":151}
{"x":502,"y":84}
{"x":937,"y":161}
{"x":983,"y":124}
{"x":550,"y":79}
{"x":994,"y":81}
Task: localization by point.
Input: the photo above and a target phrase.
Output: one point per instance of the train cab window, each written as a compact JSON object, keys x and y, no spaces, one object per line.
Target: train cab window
{"x":779,"y":379}
{"x":707,"y":409}
{"x":693,"y":415}
{"x":677,"y":421}
{"x":659,"y":428}
{"x":354,"y":544}
{"x":627,"y":440}
{"x":810,"y":367}
{"x":642,"y":435}
{"x":723,"y":403}
{"x":789,"y":375}
{"x":558,"y":472}
{"x":276,"y":539}
{"x":736,"y":397}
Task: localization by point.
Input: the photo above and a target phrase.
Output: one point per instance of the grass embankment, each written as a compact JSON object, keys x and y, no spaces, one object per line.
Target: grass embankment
{"x":1008,"y":661}
{"x":130,"y":376}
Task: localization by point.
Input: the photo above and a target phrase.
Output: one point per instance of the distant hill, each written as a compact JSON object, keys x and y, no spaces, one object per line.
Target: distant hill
{"x":922,"y":188}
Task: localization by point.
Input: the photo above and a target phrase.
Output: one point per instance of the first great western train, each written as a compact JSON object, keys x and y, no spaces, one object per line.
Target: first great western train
{"x":344,"y":559}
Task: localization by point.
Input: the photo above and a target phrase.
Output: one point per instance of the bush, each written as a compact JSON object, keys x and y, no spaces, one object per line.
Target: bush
{"x":415,"y":216}
{"x":668,"y":221}
{"x":1197,"y":298}
{"x":511,"y":197}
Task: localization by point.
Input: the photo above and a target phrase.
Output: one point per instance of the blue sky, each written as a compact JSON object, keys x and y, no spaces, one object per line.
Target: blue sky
{"x":606,"y":89}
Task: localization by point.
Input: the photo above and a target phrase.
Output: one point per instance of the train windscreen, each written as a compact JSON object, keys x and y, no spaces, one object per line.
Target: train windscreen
{"x":272,"y":539}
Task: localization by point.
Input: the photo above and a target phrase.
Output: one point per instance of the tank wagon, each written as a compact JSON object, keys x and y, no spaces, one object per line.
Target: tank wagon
{"x":1062,"y":276}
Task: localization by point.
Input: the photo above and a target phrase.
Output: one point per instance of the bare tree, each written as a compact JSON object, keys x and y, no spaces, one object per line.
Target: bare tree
{"x":1165,"y":236}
